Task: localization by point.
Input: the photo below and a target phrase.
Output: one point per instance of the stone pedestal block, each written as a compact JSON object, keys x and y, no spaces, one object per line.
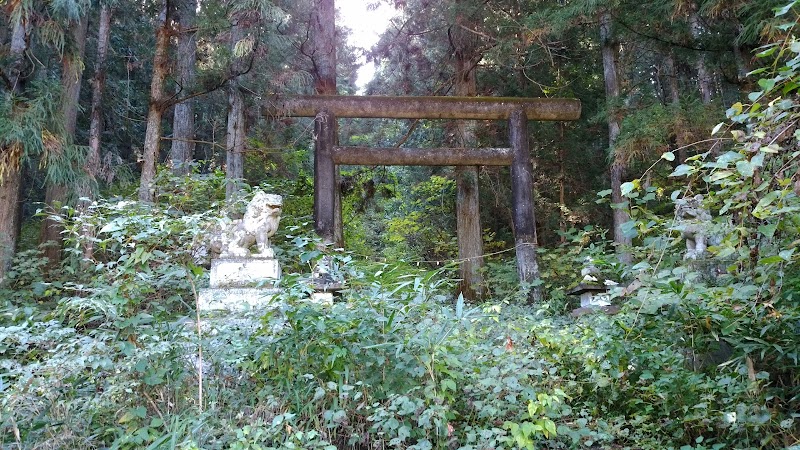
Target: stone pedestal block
{"x":235,"y":299}
{"x":244,"y":272}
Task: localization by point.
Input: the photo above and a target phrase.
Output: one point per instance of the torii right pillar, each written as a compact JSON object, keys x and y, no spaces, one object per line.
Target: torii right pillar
{"x":522,"y":203}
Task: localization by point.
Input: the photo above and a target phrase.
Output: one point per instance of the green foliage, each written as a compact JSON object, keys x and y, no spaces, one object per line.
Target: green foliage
{"x":31,"y":131}
{"x":734,"y":310}
{"x":422,"y":222}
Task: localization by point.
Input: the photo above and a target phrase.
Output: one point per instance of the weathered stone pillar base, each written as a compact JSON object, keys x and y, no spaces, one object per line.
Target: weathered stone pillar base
{"x":244,"y":272}
{"x":238,"y":284}
{"x":235,"y":299}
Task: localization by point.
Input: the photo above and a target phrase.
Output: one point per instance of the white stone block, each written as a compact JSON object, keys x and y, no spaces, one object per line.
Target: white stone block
{"x":235,"y":299}
{"x":244,"y":272}
{"x":322,"y":298}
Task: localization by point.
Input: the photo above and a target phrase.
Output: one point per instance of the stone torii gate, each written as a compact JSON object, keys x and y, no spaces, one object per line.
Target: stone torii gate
{"x":518,"y":111}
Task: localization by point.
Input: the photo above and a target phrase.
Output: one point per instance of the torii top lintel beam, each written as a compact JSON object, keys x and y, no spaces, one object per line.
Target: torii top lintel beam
{"x":467,"y":108}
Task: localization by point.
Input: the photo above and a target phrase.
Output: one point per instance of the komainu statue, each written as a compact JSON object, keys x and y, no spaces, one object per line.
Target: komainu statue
{"x":260,"y":222}
{"x":692,"y":220}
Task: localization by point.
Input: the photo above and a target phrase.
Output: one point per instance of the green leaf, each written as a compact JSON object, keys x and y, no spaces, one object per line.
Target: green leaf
{"x":604,"y":193}
{"x":669,"y":156}
{"x":111,"y":227}
{"x":629,"y":229}
{"x":767,"y":52}
{"x":682,"y":170}
{"x":786,"y":254}
{"x":767,"y":200}
{"x":784,"y":9}
{"x":770,"y":260}
{"x":720,"y":175}
{"x":745,"y":168}
{"x":717,"y":128}
{"x":753,"y":96}
{"x":627,"y":187}
{"x":127,"y":417}
{"x":449,"y":384}
{"x":766,"y":84}
{"x":768,"y":230}
{"x":771,"y":148}
{"x":549,"y":427}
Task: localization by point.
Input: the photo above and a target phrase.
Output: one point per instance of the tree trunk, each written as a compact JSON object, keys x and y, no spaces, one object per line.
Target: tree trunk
{"x":610,"y":51}
{"x":182,"y":151}
{"x":98,"y":84}
{"x":704,"y":80}
{"x":323,"y":30}
{"x":10,"y":164}
{"x":742,"y":66}
{"x":675,"y":101}
{"x":56,"y":195}
{"x":468,"y":218}
{"x":10,"y":198}
{"x":236,"y":132}
{"x":672,"y":78}
{"x":562,"y":180}
{"x":234,"y":160}
{"x":86,"y":190}
{"x":152,"y":136}
{"x":234,"y":156}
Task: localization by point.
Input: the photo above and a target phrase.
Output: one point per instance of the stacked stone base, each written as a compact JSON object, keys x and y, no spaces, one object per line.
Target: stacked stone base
{"x":239,"y":284}
{"x":235,"y":299}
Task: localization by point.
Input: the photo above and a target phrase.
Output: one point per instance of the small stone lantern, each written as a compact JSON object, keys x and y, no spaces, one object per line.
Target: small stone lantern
{"x":591,"y":294}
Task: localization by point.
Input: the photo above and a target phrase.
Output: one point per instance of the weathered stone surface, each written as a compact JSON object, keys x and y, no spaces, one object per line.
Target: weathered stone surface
{"x":609,"y":310}
{"x":323,"y":298}
{"x":241,"y":279}
{"x":259,"y":223}
{"x":244,"y":272}
{"x":235,"y":299}
{"x":692,"y":219}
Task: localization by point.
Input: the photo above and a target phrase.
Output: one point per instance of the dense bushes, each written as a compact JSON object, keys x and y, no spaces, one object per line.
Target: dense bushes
{"x":399,"y":364}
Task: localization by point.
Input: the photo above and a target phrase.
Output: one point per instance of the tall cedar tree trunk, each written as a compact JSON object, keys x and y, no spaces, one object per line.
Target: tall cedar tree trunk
{"x":323,"y":58}
{"x":672,"y":81}
{"x":10,"y":155}
{"x":562,"y":180}
{"x":742,"y":67}
{"x":182,"y":151}
{"x":152,"y":136}
{"x":57,"y":190}
{"x":234,"y":157}
{"x":468,"y":217}
{"x":92,"y":166}
{"x":703,"y":74}
{"x":610,"y":51}
{"x":98,"y":84}
{"x":674,"y":99}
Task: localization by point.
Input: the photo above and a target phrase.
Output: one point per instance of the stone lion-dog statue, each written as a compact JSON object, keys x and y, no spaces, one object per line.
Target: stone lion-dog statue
{"x":692,"y":220}
{"x":260,"y":222}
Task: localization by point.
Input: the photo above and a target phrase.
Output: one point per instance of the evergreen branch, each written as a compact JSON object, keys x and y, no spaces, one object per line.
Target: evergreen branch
{"x":666,"y":41}
{"x":174,"y":100}
{"x":7,"y":81}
